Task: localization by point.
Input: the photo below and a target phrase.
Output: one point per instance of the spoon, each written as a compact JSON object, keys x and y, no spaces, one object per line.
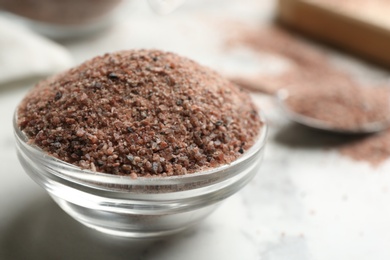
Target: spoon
{"x":367,"y":128}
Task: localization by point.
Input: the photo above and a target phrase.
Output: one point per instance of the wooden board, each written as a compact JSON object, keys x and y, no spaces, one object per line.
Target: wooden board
{"x":351,"y":33}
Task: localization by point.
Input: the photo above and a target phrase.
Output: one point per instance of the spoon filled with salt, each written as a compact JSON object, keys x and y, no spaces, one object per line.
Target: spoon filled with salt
{"x":347,"y":109}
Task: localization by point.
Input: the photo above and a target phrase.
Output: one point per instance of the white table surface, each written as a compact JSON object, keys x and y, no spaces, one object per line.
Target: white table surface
{"x":306,"y":202}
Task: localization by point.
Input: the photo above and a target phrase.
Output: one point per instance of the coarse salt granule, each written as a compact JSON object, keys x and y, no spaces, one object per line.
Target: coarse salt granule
{"x":140,"y":113}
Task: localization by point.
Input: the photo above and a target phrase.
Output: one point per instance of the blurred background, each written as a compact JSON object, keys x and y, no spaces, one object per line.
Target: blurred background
{"x":315,"y":196}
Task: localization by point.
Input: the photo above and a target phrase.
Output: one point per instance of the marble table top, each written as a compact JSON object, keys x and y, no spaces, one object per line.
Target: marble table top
{"x":306,"y":202}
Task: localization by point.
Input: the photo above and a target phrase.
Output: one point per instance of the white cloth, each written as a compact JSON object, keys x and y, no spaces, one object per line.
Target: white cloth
{"x":25,"y":54}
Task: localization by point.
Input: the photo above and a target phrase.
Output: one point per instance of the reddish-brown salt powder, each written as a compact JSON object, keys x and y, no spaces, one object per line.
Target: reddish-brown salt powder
{"x":374,"y":149}
{"x":321,"y":90}
{"x":309,"y":66}
{"x":346,"y":108}
{"x":140,"y":113}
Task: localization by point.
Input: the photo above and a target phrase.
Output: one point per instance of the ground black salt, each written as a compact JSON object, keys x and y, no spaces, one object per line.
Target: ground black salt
{"x":345,"y":108}
{"x":322,"y":91}
{"x":140,"y":113}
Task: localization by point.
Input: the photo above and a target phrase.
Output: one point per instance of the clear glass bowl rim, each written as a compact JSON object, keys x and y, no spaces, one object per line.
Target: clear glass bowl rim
{"x":72,"y":172}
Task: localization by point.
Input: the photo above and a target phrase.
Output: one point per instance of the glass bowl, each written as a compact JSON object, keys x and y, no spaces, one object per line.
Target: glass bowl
{"x":61,"y":20}
{"x":142,"y":207}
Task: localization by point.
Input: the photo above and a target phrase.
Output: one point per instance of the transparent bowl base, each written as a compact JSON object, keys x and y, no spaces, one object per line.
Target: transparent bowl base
{"x":135,"y":225}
